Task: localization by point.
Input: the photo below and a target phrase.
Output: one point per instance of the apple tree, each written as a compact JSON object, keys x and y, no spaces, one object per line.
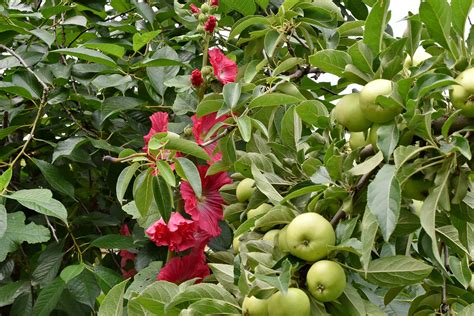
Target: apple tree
{"x":254,"y":157}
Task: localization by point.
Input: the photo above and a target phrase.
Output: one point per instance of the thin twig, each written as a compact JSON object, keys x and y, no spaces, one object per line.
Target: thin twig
{"x":444,"y":308}
{"x":221,"y":135}
{"x":297,"y":75}
{"x":53,"y":230}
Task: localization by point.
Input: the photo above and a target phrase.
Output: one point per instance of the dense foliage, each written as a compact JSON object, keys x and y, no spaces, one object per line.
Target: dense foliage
{"x":164,"y":157}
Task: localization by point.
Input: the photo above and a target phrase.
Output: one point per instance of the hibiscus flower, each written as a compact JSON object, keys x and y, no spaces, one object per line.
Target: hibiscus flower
{"x":196,"y":78}
{"x":180,"y":269}
{"x":178,"y":234}
{"x":210,"y":24}
{"x":206,"y":210}
{"x":225,"y":69}
{"x":159,"y":124}
{"x":201,"y":126}
{"x":194,"y":9}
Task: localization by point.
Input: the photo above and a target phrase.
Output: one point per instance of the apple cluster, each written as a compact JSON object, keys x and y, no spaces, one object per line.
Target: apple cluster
{"x":309,"y":237}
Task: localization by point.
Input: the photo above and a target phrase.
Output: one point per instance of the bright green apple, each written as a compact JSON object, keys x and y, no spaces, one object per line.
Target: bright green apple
{"x":462,"y":95}
{"x":282,"y":243}
{"x":373,"y":111}
{"x":245,"y":189}
{"x":294,"y":303}
{"x":270,"y":235}
{"x":253,"y":306}
{"x":326,"y":280}
{"x":357,"y":140}
{"x":417,"y":205}
{"x":419,"y":56}
{"x":309,"y":235}
{"x":236,"y":244}
{"x":349,"y":114}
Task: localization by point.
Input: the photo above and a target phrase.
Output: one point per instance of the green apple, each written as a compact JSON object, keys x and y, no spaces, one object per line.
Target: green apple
{"x":462,"y":95}
{"x":357,"y":140}
{"x":373,"y":111}
{"x":261,"y":209}
{"x":349,"y":114}
{"x":282,"y":243}
{"x":373,"y":136}
{"x":326,"y":280}
{"x":417,"y":189}
{"x":270,"y":235}
{"x":419,"y":56}
{"x":236,"y":244}
{"x":253,"y":306}
{"x":294,"y":303}
{"x":417,"y":205}
{"x":309,"y":235}
{"x":245,"y":189}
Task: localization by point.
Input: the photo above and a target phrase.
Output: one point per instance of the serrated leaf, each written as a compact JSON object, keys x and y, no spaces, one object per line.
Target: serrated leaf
{"x":397,"y":271}
{"x":55,"y":177}
{"x":48,"y":298}
{"x":70,"y":272}
{"x":384,"y":198}
{"x":10,"y":291}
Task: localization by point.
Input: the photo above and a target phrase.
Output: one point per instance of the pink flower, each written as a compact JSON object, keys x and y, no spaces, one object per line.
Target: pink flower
{"x":225,"y":69}
{"x":178,"y":234}
{"x":210,"y":24}
{"x":196,"y":78}
{"x":194,"y":9}
{"x":180,"y":269}
{"x":214,"y":3}
{"x":159,"y":124}
{"x":124,"y":230}
{"x":201,"y":126}
{"x":206,"y":210}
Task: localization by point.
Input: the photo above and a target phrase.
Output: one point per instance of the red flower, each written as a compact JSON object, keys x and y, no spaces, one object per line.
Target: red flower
{"x":206,"y":210}
{"x":180,"y":269}
{"x":201,"y":126}
{"x":178,"y":234}
{"x":214,"y":3}
{"x":210,"y":24}
{"x":124,"y":230}
{"x":194,"y":9}
{"x":127,"y":263}
{"x":196,"y":78}
{"x":224,"y":69}
{"x":159,"y":124}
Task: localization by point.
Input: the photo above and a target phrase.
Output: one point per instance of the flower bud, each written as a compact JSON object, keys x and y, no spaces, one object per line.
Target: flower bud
{"x":206,"y":71}
{"x":194,"y":9}
{"x":210,"y":24}
{"x":196,"y":78}
{"x":202,"y":18}
{"x":214,"y":3}
{"x":205,"y":8}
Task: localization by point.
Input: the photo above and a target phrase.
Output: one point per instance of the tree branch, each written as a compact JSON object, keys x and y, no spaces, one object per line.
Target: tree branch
{"x":297,"y":75}
{"x":220,"y":136}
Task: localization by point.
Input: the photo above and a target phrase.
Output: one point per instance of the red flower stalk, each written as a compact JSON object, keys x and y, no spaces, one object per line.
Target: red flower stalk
{"x":201,"y":126}
{"x":207,"y":209}
{"x":194,"y":9}
{"x":180,"y":269}
{"x":159,"y":124}
{"x":210,"y":24}
{"x":196,"y":78}
{"x":225,"y":69}
{"x":178,"y":234}
{"x":214,"y":3}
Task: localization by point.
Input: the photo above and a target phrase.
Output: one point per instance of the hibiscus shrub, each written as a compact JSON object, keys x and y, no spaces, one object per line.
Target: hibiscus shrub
{"x":154,"y":156}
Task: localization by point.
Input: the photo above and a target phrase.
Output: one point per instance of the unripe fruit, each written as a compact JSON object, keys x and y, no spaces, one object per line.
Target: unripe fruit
{"x":349,"y":114}
{"x":295,"y":302}
{"x":309,"y":235}
{"x":245,"y":189}
{"x":373,"y":136}
{"x":205,"y":8}
{"x":202,"y":18}
{"x":373,"y":111}
{"x":357,"y":140}
{"x":270,"y":235}
{"x":326,"y":280}
{"x":417,"y":205}
{"x":253,"y":306}
{"x":419,"y":56}
{"x":282,"y":243}
{"x":462,"y":95}
{"x":236,"y":244}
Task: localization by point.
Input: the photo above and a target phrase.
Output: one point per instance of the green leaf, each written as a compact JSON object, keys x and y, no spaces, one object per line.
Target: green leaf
{"x":55,"y":177}
{"x":43,"y":35}
{"x":375,"y":25}
{"x":48,"y":298}
{"x":213,"y":307}
{"x":107,"y":278}
{"x":264,"y":186}
{"x":312,"y":112}
{"x":158,"y":75}
{"x":3,"y":220}
{"x":280,"y":282}
{"x":108,"y":81}
{"x":182,"y":145}
{"x":246,"y":22}
{"x":141,"y":39}
{"x":188,"y":171}
{"x":362,"y":57}
{"x":291,"y":128}
{"x":275,"y":216}
{"x":124,"y":179}
{"x":118,"y":104}
{"x":143,"y":279}
{"x":467,"y":311}
{"x":163,"y":197}
{"x":368,"y":165}
{"x":5,"y":179}
{"x":287,"y":64}
{"x":41,"y":201}
{"x":166,"y":172}
{"x":397,"y":271}
{"x":413,"y":33}
{"x":112,"y":305}
{"x":246,"y":7}
{"x":231,"y":93}
{"x":49,"y":263}
{"x":272,"y":99}
{"x":462,"y":144}
{"x":113,"y":241}
{"x":331,"y":60}
{"x":14,"y":90}
{"x":87,"y":54}
{"x":156,"y":295}
{"x":450,"y":235}
{"x":143,"y":192}
{"x":85,"y":289}
{"x":11,"y":290}
{"x":460,"y":11}
{"x":244,"y":124}
{"x":460,"y":269}
{"x":384,"y":198}
{"x":70,"y":272}
{"x":367,"y":238}
{"x":200,"y":291}
{"x":271,"y":41}
{"x":387,"y":139}
{"x":107,"y":48}
{"x":66,"y":147}
{"x":432,"y":203}
{"x":303,"y":191}
{"x":436,"y":14}
{"x":17,"y":232}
